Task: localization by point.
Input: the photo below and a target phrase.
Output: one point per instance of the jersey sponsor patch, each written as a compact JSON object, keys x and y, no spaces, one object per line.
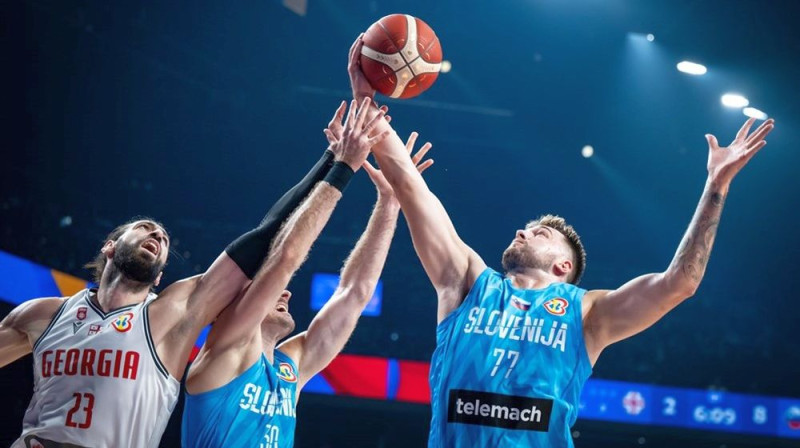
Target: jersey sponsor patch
{"x":500,"y":411}
{"x":556,"y":306}
{"x":286,"y":372}
{"x":81,"y":313}
{"x":520,"y":304}
{"x":123,"y":322}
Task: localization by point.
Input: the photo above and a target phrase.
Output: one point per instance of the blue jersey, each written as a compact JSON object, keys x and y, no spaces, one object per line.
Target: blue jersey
{"x":255,"y":410}
{"x":509,"y":367}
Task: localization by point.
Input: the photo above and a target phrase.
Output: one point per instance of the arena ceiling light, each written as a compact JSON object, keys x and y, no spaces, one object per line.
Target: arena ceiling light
{"x":446,"y":66}
{"x":692,"y":68}
{"x":734,"y":100}
{"x":752,"y":112}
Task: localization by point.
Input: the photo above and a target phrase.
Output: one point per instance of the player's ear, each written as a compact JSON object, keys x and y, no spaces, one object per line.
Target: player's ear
{"x":563,"y":268}
{"x":109,"y":248}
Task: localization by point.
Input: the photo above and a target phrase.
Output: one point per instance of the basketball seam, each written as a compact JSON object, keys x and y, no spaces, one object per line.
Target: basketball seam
{"x":391,"y":40}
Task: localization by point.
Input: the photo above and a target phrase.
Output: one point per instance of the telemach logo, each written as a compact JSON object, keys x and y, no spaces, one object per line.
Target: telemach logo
{"x":501,"y":411}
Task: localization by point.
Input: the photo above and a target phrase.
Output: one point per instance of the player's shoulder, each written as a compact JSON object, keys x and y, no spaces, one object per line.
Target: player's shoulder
{"x":180,"y":289}
{"x":42,"y":305}
{"x":34,"y":310}
{"x":174,"y":297}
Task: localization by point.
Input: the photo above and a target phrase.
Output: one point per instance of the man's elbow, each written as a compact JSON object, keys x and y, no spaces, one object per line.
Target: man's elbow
{"x":681,"y":286}
{"x":359,"y":293}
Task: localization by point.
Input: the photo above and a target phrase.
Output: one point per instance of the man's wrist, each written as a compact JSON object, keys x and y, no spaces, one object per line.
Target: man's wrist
{"x":339,"y":175}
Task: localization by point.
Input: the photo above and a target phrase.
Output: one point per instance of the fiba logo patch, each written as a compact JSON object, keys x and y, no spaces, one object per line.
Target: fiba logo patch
{"x":286,"y":372}
{"x":123,"y":322}
{"x":556,"y":307}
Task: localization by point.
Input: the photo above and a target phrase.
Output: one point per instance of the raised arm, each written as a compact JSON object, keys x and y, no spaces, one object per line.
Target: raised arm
{"x":450,"y":264}
{"x":238,"y":264}
{"x":234,"y":341}
{"x":610,"y":316}
{"x":332,"y":326}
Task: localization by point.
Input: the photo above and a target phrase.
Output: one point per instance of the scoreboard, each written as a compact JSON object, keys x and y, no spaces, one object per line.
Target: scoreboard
{"x":690,"y":408}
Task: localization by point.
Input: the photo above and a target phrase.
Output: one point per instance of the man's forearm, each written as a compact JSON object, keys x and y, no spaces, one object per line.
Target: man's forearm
{"x":304,"y":226}
{"x":364,"y":265}
{"x":690,"y":261}
{"x":250,"y":249}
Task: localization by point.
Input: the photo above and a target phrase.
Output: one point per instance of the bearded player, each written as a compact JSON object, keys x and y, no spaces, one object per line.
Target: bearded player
{"x":514,"y":350}
{"x":106,"y":360}
{"x":241,"y":389}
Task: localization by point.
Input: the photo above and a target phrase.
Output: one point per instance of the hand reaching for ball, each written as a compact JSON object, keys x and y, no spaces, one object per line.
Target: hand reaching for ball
{"x":351,"y":142}
{"x":358,"y":82}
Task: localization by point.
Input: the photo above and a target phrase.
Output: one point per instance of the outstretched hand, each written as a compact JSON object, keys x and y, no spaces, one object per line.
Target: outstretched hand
{"x":724,"y":163}
{"x":384,"y":188}
{"x":358,"y":82}
{"x":351,"y":141}
{"x":333,"y":133}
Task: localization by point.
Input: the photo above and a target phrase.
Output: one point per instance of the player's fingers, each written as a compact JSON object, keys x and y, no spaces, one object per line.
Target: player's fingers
{"x":745,"y":129}
{"x":424,"y":165}
{"x":374,"y":122}
{"x":370,"y":169}
{"x":337,"y":117}
{"x":351,"y":115}
{"x":751,"y":151}
{"x":421,"y":153}
{"x":762,"y":131}
{"x":355,"y":49}
{"x":363,"y":110}
{"x":712,"y":141}
{"x":412,"y":139}
{"x":329,"y":135}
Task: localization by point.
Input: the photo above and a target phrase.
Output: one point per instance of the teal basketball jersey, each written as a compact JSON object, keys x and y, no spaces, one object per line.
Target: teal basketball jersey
{"x":509,"y":367}
{"x":255,"y":410}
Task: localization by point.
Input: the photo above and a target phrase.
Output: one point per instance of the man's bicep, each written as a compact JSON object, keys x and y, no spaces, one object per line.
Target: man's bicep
{"x":443,"y":254}
{"x":14,"y":343}
{"x":630,"y":309}
{"x":24,"y":325}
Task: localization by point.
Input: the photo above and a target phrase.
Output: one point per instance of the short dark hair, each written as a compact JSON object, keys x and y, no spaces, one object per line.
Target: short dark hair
{"x":99,"y":263}
{"x":578,"y":252}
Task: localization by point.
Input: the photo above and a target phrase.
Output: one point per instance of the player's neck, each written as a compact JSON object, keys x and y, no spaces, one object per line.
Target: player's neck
{"x":532,"y":279}
{"x":117,"y":291}
{"x":268,"y":344}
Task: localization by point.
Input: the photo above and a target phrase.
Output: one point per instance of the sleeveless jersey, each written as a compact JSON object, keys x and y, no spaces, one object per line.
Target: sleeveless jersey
{"x":97,"y":380}
{"x":255,"y":409}
{"x":509,"y":367}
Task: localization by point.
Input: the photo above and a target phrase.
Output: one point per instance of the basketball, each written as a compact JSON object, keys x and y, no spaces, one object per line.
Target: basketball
{"x":401,"y":56}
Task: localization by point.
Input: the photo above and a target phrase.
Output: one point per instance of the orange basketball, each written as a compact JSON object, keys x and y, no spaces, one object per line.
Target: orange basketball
{"x":401,"y":56}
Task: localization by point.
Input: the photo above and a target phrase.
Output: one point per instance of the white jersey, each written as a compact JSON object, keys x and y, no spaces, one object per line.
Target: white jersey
{"x":98,"y":381}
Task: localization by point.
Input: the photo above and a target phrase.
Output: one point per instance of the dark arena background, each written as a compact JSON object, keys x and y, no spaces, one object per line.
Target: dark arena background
{"x":201,"y":114}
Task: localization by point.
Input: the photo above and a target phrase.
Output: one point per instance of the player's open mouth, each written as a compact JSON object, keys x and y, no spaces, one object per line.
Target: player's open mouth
{"x":282,"y":308}
{"x":151,"y":246}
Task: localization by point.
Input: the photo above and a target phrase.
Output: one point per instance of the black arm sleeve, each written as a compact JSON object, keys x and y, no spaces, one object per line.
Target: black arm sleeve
{"x":249,"y":250}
